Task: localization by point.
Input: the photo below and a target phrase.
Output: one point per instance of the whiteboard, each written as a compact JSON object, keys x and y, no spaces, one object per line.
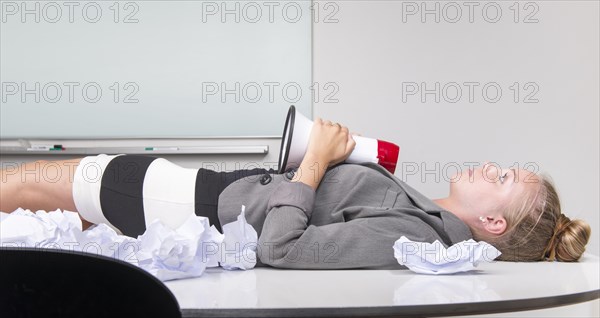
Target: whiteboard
{"x":152,"y":69}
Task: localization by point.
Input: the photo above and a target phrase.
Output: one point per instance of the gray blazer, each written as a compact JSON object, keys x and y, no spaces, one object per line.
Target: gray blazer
{"x":351,"y":221}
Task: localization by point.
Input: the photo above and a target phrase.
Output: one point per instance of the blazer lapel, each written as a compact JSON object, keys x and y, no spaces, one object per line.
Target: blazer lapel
{"x":456,"y":229}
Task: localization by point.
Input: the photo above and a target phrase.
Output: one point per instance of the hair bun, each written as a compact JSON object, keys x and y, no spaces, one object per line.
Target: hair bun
{"x":569,"y":239}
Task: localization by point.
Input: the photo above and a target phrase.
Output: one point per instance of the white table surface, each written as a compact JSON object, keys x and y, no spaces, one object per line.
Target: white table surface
{"x":497,"y":286}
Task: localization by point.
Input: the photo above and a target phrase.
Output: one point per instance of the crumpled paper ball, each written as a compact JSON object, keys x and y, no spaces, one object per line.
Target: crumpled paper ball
{"x":164,"y":252}
{"x":238,"y":250}
{"x":181,"y":253}
{"x":63,"y":230}
{"x":434,"y":258}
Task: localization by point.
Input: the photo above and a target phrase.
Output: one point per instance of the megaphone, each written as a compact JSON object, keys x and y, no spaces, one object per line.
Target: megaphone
{"x":294,"y":144}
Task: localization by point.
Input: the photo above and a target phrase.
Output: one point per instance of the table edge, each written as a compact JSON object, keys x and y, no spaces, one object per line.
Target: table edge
{"x":430,"y":310}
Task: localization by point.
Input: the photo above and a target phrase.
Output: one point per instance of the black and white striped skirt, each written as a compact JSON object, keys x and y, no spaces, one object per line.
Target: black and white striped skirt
{"x":128,"y":192}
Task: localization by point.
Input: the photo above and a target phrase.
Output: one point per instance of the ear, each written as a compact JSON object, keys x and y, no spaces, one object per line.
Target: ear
{"x":495,"y":225}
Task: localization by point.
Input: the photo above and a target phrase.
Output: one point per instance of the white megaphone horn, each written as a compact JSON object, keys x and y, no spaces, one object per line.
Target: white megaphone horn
{"x":294,"y":143}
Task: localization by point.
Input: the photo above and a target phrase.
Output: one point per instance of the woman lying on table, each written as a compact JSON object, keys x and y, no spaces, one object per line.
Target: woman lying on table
{"x":322,"y":215}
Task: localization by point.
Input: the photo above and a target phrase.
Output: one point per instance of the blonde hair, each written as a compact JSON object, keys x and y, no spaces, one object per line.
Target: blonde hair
{"x":538,"y":230}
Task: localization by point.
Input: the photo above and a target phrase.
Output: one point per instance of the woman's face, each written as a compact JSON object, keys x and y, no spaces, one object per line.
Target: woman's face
{"x":489,"y":188}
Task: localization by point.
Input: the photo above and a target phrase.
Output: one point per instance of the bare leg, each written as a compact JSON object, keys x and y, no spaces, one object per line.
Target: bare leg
{"x":39,"y":185}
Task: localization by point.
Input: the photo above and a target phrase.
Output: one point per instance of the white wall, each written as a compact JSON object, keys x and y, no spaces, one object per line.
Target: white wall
{"x":370,"y":52}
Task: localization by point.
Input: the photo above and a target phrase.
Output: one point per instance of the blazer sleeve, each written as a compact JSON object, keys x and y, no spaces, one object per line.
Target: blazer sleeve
{"x":287,"y":241}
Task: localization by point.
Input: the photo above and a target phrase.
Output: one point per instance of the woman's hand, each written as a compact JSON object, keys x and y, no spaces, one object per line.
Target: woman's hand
{"x":328,"y":145}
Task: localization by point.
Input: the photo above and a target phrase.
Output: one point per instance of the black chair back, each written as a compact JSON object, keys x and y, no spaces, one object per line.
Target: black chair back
{"x":57,"y":283}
